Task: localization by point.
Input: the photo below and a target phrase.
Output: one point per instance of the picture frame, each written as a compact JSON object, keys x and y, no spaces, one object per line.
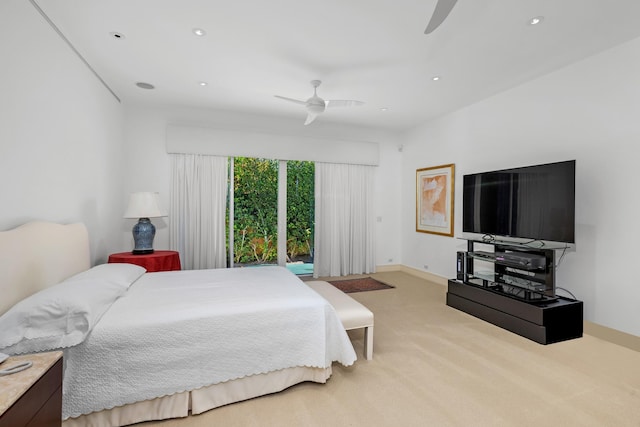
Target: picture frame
{"x":434,"y":199}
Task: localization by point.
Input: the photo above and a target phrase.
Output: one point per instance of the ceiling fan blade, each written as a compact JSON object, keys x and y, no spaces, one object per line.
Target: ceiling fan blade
{"x":310,"y":118}
{"x":297,"y":101}
{"x":343,"y":103}
{"x":443,"y":7}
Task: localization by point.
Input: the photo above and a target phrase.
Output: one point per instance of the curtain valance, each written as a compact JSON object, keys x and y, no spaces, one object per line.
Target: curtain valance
{"x":183,"y":139}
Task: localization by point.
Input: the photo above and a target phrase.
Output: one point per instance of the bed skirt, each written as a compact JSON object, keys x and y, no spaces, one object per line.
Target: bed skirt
{"x":197,"y":401}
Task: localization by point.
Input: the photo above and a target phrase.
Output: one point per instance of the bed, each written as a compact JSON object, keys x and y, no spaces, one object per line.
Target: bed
{"x":145,"y":346}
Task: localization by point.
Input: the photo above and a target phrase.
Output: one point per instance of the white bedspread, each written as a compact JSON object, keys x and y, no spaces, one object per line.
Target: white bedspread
{"x":179,"y":331}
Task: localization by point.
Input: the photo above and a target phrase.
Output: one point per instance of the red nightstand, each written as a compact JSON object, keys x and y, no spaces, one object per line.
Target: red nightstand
{"x":157,"y":261}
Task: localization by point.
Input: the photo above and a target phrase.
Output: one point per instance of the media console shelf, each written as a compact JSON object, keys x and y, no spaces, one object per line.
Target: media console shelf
{"x":518,"y":294}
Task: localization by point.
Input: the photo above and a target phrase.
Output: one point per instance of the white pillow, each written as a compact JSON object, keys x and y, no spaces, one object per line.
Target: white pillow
{"x":63,"y":315}
{"x":118,"y":273}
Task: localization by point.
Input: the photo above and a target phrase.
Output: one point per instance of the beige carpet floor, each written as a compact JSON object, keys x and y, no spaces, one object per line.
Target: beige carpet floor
{"x":436,"y":366}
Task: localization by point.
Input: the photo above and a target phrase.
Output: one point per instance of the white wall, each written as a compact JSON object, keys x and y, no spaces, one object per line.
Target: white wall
{"x":148,"y":166}
{"x":60,"y":133}
{"x":589,"y":112}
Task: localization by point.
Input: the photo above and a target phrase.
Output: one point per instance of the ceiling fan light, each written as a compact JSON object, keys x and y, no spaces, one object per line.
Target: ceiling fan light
{"x":315,"y":108}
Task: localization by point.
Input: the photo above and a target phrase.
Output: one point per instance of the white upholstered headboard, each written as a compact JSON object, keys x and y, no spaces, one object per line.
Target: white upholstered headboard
{"x":39,"y":254}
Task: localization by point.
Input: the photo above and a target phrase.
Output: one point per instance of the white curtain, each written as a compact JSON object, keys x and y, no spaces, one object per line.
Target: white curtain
{"x":344,"y":230}
{"x":197,"y":210}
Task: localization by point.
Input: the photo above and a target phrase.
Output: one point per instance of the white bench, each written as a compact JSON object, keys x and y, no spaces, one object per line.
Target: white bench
{"x":352,"y":314}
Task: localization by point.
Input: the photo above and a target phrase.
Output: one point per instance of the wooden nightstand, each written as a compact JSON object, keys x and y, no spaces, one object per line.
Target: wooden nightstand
{"x":157,"y":261}
{"x":32,"y":397}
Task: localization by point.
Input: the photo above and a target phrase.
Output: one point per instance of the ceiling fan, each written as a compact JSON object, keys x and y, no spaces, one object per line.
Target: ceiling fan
{"x":316,"y":105}
{"x":440,"y":13}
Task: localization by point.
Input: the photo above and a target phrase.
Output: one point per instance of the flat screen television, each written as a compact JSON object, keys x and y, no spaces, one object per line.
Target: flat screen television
{"x":532,"y":202}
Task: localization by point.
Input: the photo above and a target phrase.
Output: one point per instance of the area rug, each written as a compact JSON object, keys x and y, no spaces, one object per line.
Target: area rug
{"x":359,"y":285}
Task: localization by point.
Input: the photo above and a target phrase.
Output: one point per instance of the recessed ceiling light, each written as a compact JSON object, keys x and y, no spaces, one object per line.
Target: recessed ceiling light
{"x":199,"y":32}
{"x":116,"y":35}
{"x":536,"y":20}
{"x":143,"y":85}
{"x":384,"y":109}
{"x":203,"y":83}
{"x":435,"y":78}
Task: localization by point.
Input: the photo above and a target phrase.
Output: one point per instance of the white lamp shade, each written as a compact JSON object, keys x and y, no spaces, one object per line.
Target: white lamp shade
{"x":144,"y":205}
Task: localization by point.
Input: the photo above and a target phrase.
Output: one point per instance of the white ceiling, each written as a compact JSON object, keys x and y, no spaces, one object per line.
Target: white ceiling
{"x":369,"y":50}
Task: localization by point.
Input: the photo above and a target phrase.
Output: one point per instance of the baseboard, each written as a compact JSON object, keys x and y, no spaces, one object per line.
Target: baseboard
{"x":612,"y":335}
{"x":388,"y":267}
{"x":414,"y":272}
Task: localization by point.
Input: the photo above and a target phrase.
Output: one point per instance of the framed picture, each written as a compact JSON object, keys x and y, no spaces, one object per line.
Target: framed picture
{"x":434,"y":199}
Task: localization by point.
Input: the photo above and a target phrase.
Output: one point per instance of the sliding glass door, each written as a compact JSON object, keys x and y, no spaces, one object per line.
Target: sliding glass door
{"x":270,"y":216}
{"x":300,"y":216}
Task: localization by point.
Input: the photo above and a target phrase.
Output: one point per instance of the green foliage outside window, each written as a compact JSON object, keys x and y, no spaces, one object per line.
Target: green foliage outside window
{"x":300,"y":209}
{"x":256,"y":210}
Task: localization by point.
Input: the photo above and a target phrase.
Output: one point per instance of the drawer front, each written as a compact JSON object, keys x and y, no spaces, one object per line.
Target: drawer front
{"x":37,"y":399}
{"x":50,"y":414}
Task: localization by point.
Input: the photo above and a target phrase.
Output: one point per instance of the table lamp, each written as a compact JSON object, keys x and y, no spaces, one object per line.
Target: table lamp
{"x":143,"y":205}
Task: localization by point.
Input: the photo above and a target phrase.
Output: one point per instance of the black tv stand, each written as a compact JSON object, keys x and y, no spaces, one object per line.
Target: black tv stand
{"x":518,"y":295}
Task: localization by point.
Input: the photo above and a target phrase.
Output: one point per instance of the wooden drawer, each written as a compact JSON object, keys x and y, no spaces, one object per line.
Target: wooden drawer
{"x":40,"y":405}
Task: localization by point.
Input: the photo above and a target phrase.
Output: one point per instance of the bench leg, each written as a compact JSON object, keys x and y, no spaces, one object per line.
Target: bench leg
{"x":368,"y":342}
